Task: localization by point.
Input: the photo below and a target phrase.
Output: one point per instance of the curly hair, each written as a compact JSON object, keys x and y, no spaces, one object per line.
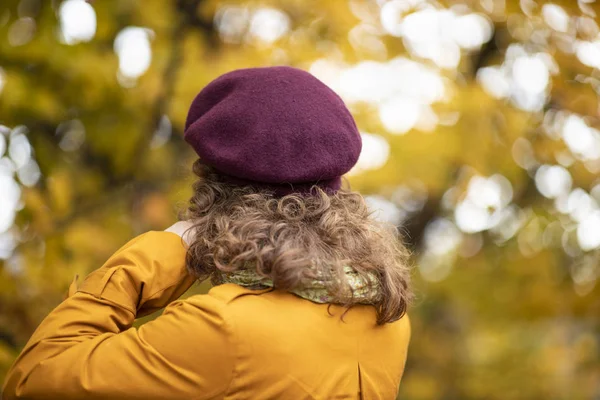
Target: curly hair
{"x":294,"y":238}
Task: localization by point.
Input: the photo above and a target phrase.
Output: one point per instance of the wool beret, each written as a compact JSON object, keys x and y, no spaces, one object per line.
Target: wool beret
{"x":278,"y":128}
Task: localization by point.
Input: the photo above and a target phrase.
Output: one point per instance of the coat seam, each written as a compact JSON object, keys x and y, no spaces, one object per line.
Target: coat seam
{"x":233,"y":352}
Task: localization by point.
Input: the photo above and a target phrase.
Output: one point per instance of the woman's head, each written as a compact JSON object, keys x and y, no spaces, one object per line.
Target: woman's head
{"x":293,"y":238}
{"x":274,"y":143}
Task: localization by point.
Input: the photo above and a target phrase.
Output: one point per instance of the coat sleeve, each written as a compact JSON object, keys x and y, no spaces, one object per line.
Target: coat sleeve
{"x":86,"y":347}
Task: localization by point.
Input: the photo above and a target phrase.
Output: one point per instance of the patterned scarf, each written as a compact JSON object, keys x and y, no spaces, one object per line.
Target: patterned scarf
{"x":364,"y":292}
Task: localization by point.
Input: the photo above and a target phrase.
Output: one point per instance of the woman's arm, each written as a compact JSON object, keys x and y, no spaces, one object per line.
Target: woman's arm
{"x":86,"y":347}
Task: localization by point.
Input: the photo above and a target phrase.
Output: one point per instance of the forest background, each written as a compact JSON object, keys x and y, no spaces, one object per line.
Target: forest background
{"x":480,"y":125}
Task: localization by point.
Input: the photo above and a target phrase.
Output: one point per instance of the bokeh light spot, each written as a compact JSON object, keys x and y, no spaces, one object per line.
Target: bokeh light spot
{"x":556,"y":17}
{"x":132,"y":46}
{"x":553,"y":180}
{"x":77,"y":21}
{"x":269,"y":24}
{"x":374,"y":154}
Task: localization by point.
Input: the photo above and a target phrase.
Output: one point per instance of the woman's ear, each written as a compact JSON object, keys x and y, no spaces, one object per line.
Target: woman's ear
{"x":182,"y":228}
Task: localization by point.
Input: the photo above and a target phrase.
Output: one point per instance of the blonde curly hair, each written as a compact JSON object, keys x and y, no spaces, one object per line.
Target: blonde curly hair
{"x":294,"y":238}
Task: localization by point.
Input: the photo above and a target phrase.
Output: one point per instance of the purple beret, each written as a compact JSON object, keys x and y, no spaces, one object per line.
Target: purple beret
{"x":277,"y":127}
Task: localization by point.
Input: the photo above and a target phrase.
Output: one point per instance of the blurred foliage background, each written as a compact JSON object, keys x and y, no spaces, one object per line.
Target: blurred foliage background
{"x":481,"y":140}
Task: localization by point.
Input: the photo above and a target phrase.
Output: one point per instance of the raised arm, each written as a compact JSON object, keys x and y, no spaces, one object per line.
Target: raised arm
{"x":86,"y":347}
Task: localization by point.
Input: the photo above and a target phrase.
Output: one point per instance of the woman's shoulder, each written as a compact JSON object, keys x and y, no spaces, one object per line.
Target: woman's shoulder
{"x":249,"y":308}
{"x":222,"y":295}
{"x":219,"y":300}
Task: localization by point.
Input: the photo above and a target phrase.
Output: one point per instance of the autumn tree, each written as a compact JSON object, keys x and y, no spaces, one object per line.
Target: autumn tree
{"x":480,"y":131}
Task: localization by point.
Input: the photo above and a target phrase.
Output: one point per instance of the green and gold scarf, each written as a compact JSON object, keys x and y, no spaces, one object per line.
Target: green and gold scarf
{"x":365,"y":290}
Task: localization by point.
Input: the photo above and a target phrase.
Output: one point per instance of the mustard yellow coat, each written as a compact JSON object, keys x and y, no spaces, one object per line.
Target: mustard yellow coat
{"x":232,"y":343}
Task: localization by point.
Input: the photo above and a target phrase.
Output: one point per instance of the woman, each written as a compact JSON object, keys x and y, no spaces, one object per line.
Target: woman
{"x":310,"y":292}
